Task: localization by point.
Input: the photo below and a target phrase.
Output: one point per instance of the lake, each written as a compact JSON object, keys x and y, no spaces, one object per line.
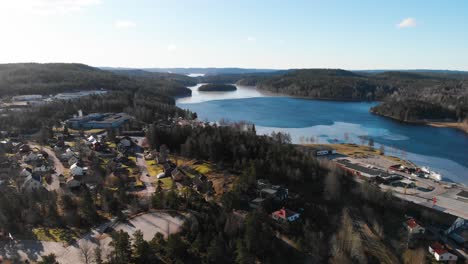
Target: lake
{"x":444,"y":150}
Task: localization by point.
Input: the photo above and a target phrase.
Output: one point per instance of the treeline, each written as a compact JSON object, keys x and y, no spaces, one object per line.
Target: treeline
{"x":413,"y":110}
{"x":143,"y":104}
{"x":52,"y":78}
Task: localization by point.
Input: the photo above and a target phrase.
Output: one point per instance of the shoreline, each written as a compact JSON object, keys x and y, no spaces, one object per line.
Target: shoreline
{"x":455,"y":125}
{"x":460,"y":126}
{"x":358,"y":151}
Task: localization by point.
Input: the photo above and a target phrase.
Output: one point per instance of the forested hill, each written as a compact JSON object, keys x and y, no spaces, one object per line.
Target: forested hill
{"x":161,"y":76}
{"x":51,"y":78}
{"x":324,"y":84}
{"x":408,"y":96}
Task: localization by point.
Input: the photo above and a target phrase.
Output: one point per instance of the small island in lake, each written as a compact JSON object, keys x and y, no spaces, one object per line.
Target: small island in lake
{"x":217,"y":88}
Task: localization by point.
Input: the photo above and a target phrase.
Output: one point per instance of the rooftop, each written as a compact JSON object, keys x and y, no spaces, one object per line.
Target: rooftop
{"x":412,"y":223}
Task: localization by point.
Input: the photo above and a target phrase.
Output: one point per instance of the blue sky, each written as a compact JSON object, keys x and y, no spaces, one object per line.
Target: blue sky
{"x":258,"y":34}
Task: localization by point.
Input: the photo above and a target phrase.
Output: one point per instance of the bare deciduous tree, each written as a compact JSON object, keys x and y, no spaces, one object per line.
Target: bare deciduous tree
{"x":331,"y":188}
{"x":86,"y":250}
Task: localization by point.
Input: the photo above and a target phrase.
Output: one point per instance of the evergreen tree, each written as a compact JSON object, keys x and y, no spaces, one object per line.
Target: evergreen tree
{"x":88,"y":209}
{"x":122,"y":253}
{"x":141,"y":249}
{"x":49,"y":259}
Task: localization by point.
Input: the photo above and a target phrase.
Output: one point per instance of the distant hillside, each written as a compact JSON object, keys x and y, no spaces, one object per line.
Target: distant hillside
{"x":247,"y":79}
{"x":324,"y":84}
{"x":162,"y":76}
{"x":207,"y":71}
{"x":34,"y":78}
{"x":431,"y":73}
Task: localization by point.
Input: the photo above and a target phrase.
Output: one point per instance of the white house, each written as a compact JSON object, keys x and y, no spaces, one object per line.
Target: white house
{"x":440,"y":253}
{"x":91,"y":139}
{"x":285,"y":215}
{"x":76,"y":170}
{"x":413,"y":227}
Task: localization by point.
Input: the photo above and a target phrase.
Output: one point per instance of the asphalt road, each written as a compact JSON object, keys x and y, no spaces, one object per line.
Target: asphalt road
{"x":140,"y":161}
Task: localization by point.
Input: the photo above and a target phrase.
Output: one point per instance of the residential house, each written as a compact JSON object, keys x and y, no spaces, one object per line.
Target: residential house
{"x":440,"y":253}
{"x":24,"y":148}
{"x":26,"y":172}
{"x":161,"y":157}
{"x":42,"y":168}
{"x":413,"y":227}
{"x":285,"y":215}
{"x":256,"y":203}
{"x":73,"y":160}
{"x":74,"y":182}
{"x":275,"y":192}
{"x":125,"y":142}
{"x":150,"y":155}
{"x":202,"y":184}
{"x":168,"y":168}
{"x":76,"y":170}
{"x":30,"y":157}
{"x":91,"y":139}
{"x":98,"y":146}
{"x":68,"y":154}
{"x":177,"y":174}
{"x":31,"y":184}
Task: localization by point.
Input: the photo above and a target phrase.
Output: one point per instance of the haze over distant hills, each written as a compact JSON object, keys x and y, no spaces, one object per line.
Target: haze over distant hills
{"x":235,"y":70}
{"x":208,"y":71}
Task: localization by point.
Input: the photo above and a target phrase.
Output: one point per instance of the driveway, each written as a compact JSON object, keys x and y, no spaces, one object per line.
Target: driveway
{"x":59,"y":168}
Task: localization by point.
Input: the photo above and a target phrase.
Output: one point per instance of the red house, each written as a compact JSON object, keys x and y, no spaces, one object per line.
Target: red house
{"x":285,"y":215}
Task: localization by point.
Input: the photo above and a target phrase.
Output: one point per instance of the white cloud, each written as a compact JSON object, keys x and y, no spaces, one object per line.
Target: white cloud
{"x":407,"y":23}
{"x":171,"y":47}
{"x":251,"y":39}
{"x":47,"y":7}
{"x":124,"y":24}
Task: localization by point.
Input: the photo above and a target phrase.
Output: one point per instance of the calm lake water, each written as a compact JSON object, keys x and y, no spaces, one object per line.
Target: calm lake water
{"x":442,"y":149}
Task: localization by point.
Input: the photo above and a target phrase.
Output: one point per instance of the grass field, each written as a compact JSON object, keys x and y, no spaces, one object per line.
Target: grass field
{"x":203,"y":168}
{"x":153,"y":168}
{"x":167,"y":183}
{"x":54,"y":234}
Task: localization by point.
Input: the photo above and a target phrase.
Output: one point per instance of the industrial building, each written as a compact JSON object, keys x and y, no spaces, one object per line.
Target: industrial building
{"x":98,"y":120}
